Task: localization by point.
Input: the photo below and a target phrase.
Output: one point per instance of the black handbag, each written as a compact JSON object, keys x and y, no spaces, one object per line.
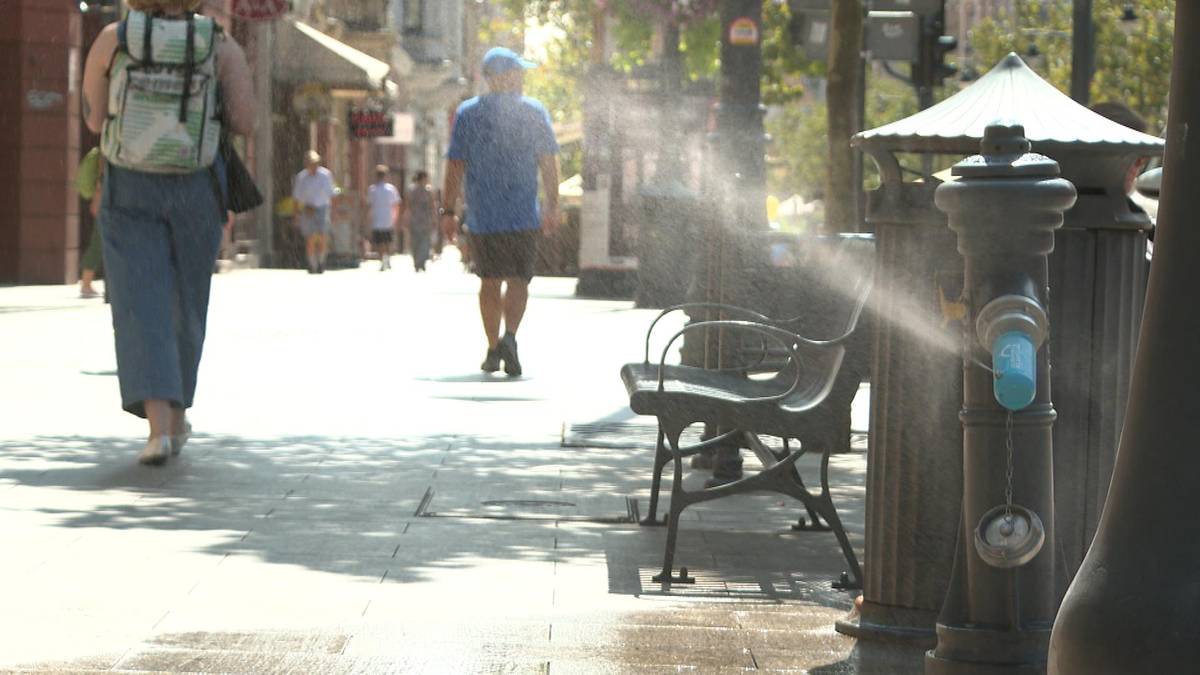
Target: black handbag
{"x":243,"y":193}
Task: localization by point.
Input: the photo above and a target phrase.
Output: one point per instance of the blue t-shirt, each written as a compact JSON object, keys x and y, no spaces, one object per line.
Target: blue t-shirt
{"x":500,"y":138}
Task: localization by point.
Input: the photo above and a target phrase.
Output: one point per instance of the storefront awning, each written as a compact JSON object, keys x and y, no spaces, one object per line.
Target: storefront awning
{"x":308,"y":55}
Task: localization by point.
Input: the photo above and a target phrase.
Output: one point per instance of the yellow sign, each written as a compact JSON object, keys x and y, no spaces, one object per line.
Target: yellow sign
{"x":743,"y":32}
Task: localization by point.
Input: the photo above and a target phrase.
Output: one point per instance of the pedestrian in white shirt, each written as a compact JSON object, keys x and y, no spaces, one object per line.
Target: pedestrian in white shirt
{"x":312,"y":189}
{"x":383,"y":201}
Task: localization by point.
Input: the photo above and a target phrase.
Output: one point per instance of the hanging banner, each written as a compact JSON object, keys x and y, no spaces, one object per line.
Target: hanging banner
{"x":259,"y":10}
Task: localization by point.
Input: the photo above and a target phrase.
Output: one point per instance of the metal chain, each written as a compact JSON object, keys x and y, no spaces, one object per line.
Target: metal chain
{"x":1008,"y":485}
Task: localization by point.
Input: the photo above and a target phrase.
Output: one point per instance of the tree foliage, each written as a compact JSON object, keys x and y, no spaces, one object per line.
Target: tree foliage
{"x":1133,"y":61}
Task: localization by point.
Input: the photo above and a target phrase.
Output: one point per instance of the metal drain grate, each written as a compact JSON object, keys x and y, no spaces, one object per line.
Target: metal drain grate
{"x":610,"y":509}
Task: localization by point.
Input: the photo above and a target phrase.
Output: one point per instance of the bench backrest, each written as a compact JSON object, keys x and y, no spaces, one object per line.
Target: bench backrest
{"x":825,"y":297}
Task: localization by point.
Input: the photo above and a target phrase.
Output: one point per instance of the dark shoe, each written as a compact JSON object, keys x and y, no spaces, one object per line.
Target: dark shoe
{"x":491,"y":363}
{"x":722,"y":479}
{"x":703,"y":460}
{"x":508,"y":352}
{"x":727,"y":467}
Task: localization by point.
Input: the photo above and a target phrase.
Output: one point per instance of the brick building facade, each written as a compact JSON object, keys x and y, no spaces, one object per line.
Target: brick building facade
{"x":41,"y":60}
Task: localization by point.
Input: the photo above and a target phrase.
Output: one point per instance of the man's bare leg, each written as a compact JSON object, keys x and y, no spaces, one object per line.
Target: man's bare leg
{"x":516,"y":296}
{"x":322,"y":250}
{"x":491,"y":309}
{"x":311,"y":251}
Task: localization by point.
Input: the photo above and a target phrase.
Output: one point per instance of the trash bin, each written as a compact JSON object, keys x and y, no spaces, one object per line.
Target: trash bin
{"x":665,"y":244}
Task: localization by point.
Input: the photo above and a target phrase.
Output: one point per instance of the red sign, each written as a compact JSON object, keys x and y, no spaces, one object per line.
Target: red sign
{"x":366,"y":123}
{"x":259,"y":10}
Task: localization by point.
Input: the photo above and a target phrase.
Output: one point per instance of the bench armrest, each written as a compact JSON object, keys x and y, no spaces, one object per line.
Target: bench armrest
{"x":785,"y":338}
{"x":732,"y":309}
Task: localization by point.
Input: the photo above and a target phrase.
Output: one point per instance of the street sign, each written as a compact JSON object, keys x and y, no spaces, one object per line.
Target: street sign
{"x":259,"y":10}
{"x":893,"y":36}
{"x":924,"y":7}
{"x":404,"y":130}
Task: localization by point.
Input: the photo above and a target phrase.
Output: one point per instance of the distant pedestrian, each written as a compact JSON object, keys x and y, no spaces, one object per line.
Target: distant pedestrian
{"x":383,"y":205}
{"x":313,"y":191}
{"x":420,"y":218}
{"x":88,"y":178}
{"x":163,"y":197}
{"x":500,"y":143}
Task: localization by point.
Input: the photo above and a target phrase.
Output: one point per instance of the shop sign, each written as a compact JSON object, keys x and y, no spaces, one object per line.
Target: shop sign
{"x":743,"y":32}
{"x":370,"y":123}
{"x":259,"y":10}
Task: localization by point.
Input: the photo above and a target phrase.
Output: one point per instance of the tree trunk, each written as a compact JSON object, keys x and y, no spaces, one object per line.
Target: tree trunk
{"x":842,"y":113}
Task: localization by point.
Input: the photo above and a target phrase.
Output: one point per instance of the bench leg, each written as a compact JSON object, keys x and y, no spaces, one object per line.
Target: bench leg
{"x":667,"y":576}
{"x":813,"y":522}
{"x":661,"y":457}
{"x":855,"y":580}
{"x":820,"y":505}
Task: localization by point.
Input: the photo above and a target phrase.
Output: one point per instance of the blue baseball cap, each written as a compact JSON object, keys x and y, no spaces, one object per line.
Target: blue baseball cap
{"x":501,"y":60}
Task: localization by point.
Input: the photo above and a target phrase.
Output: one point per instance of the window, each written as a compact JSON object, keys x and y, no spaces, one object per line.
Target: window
{"x":414,"y":16}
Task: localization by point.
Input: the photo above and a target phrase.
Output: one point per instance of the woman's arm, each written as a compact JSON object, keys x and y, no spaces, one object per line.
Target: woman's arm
{"x":237,"y":87}
{"x":95,"y":78}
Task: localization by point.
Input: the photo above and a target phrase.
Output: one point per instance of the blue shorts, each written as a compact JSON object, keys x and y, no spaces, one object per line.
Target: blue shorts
{"x":314,"y":222}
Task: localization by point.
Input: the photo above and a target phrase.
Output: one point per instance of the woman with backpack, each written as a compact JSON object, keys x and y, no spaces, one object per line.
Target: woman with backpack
{"x":159,"y":86}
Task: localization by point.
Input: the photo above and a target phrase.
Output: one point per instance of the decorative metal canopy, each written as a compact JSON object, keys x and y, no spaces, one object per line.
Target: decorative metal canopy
{"x":1011,"y":91}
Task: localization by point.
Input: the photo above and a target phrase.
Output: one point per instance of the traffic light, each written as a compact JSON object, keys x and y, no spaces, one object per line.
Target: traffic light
{"x":809,"y":27}
{"x":931,"y":67}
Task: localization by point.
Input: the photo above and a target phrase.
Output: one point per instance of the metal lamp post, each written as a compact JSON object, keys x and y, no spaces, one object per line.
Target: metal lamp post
{"x":1134,"y":604}
{"x":1083,"y":50}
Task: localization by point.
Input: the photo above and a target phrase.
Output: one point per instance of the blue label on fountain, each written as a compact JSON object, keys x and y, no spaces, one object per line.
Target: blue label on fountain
{"x":1015,"y":366}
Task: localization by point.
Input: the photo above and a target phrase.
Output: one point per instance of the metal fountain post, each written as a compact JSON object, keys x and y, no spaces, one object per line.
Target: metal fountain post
{"x":1005,"y":207}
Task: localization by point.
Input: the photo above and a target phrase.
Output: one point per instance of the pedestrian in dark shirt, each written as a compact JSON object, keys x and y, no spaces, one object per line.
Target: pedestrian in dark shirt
{"x":500,"y":143}
{"x":420,"y":217}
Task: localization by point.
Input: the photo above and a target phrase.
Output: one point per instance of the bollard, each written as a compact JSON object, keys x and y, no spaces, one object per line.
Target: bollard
{"x":1001,"y":601}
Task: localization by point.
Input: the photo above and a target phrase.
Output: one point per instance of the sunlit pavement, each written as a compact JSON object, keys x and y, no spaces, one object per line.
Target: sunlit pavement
{"x":360,"y":498}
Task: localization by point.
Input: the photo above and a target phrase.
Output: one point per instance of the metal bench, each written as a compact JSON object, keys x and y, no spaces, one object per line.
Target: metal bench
{"x":783,"y":390}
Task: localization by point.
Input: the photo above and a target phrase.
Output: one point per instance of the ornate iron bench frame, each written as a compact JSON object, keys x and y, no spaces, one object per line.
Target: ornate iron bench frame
{"x":680,"y":396}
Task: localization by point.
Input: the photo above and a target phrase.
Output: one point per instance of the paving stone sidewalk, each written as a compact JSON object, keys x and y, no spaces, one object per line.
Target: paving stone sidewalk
{"x":358,"y":498}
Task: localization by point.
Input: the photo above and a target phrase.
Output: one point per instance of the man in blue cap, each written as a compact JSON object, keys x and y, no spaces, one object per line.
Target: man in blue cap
{"x":500,"y":143}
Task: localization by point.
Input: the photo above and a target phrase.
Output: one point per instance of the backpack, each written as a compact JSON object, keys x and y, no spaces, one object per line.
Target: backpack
{"x":163,"y":95}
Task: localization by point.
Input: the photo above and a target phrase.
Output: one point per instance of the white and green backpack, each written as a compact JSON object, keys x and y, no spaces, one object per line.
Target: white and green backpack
{"x":163,"y":99}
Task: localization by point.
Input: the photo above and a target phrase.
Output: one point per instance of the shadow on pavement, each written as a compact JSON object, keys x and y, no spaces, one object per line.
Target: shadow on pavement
{"x":354,"y":506}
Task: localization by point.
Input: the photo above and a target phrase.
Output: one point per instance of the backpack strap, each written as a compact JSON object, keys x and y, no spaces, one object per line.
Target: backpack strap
{"x":189,"y":66}
{"x":147,"y":36}
{"x":123,"y":35}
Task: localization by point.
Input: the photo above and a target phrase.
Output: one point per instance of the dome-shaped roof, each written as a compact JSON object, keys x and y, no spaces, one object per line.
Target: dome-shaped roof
{"x":1011,"y":91}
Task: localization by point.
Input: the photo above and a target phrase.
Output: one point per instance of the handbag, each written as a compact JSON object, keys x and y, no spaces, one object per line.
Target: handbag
{"x":243,"y":193}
